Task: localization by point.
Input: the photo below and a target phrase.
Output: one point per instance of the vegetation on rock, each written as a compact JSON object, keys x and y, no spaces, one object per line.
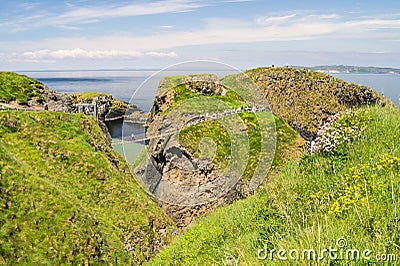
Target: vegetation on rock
{"x":19,"y":88}
{"x":306,"y":99}
{"x":89,"y":97}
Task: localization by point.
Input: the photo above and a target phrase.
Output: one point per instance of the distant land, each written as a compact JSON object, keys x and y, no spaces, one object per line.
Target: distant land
{"x":329,"y":69}
{"x":332,"y":69}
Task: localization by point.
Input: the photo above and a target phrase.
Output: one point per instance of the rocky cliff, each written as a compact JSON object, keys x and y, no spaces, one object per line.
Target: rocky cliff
{"x":108,"y":108}
{"x":304,"y":99}
{"x":189,"y":182}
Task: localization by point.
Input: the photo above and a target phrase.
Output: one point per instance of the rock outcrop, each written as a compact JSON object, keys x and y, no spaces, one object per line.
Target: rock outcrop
{"x":207,"y":85}
{"x":108,"y":108}
{"x":48,"y":99}
{"x":306,"y":99}
{"x":25,"y":93}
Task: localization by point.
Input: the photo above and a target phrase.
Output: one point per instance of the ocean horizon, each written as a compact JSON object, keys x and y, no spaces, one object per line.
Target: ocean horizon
{"x":123,"y":84}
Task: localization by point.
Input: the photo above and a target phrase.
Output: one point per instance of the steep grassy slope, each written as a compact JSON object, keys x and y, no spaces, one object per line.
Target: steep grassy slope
{"x":339,"y":200}
{"x":19,"y":88}
{"x":68,"y":198}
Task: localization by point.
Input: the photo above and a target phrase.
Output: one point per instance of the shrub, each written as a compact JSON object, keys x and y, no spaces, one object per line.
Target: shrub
{"x":339,"y":130}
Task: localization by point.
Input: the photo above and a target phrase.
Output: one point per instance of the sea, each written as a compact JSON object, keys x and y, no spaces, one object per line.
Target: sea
{"x":139,"y":87}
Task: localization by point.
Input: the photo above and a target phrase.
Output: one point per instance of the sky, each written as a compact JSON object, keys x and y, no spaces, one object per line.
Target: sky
{"x":139,"y":34}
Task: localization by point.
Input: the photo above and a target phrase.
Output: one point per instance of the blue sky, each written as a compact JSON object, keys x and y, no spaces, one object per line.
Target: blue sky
{"x":88,"y":34}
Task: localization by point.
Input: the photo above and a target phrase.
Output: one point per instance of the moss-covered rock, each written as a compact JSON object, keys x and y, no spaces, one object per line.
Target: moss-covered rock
{"x":22,"y":92}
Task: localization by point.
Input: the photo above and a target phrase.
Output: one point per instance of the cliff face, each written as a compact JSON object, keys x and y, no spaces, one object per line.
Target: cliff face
{"x":24,"y":93}
{"x":207,"y":85}
{"x":172,"y":173}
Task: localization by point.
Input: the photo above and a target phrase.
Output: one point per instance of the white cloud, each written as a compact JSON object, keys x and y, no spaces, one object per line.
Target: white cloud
{"x":47,"y":55}
{"x":328,"y":16}
{"x":28,"y":6}
{"x":80,"y":54}
{"x":295,"y":17}
{"x":158,"y":54}
{"x":166,"y":27}
{"x":75,"y":15}
{"x":377,"y":24}
{"x":380,"y":52}
{"x":84,"y":14}
{"x":274,"y":19}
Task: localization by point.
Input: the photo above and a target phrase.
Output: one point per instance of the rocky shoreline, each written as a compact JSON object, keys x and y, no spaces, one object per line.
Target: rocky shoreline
{"x":107,"y":108}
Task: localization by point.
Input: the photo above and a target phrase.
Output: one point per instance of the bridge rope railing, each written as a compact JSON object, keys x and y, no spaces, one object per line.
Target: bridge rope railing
{"x":194,"y":121}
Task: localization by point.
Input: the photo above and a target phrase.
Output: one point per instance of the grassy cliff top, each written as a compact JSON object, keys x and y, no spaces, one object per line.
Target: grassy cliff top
{"x":68,"y":198}
{"x":19,"y":88}
{"x":88,"y":96}
{"x":306,"y":99}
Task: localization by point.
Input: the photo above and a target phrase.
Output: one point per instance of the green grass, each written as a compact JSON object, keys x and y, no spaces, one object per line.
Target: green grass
{"x":68,"y":198}
{"x":310,"y":203}
{"x":169,"y":82}
{"x":190,"y":101}
{"x":182,"y":96}
{"x":88,"y":96}
{"x":19,"y":88}
{"x":191,"y":137}
{"x":186,"y":101}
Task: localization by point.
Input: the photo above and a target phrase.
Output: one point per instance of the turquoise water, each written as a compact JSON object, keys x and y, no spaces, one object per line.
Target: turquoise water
{"x":129,"y":150}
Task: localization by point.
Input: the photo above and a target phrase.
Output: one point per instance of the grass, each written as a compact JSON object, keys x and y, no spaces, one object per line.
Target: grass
{"x":88,"y":96}
{"x":19,"y":88}
{"x":188,"y":101}
{"x":310,"y":203}
{"x":68,"y":198}
{"x":169,"y":82}
{"x":191,"y":137}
